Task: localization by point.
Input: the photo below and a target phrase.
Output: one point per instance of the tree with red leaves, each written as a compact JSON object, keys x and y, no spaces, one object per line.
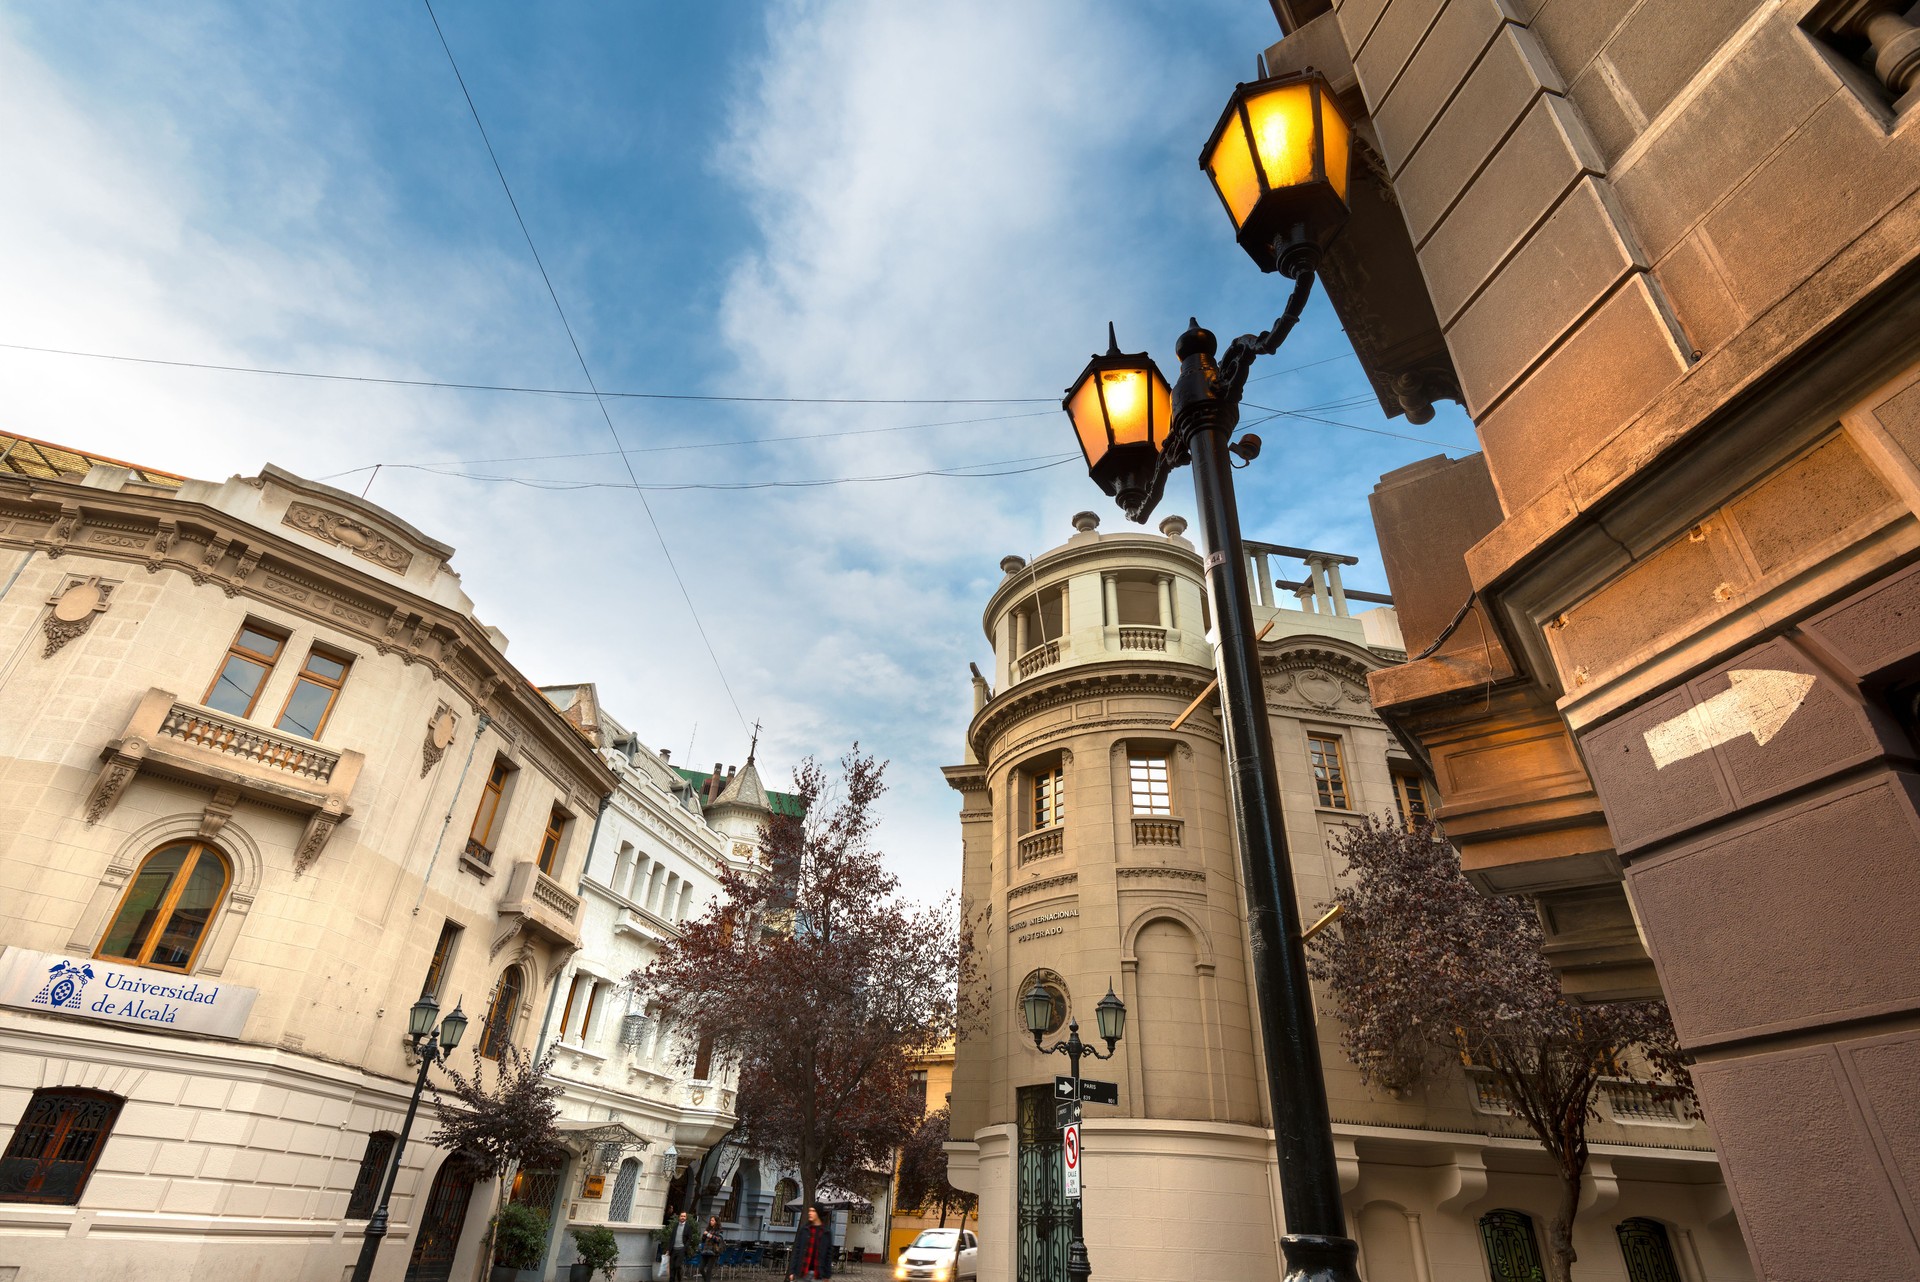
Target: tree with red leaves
{"x":1425,"y":971}
{"x":819,"y":982}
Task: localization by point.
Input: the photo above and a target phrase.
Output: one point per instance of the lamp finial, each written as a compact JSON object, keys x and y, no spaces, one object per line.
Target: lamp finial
{"x":1113,"y":343}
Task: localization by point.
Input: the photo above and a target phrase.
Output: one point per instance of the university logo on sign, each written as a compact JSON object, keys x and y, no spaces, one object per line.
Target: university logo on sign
{"x":66,"y":985}
{"x":160,"y":1001}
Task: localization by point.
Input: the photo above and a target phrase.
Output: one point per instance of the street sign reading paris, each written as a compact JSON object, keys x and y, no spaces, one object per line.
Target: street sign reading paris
{"x":88,"y":988}
{"x":1099,"y":1092}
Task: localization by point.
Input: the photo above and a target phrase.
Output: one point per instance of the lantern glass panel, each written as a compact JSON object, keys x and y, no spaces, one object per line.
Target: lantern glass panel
{"x":1283,"y":134}
{"x":1111,"y":1015}
{"x":1129,"y":402}
{"x":1038,"y":1009}
{"x":1231,"y":166}
{"x":420,"y":1019}
{"x":1089,"y":423}
{"x":453,"y":1028}
{"x":1335,"y":138}
{"x":1162,"y":409}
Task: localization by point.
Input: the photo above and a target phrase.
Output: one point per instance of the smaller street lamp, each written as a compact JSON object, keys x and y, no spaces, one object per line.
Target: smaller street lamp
{"x":1111,"y":1017}
{"x":432,"y":1047}
{"x":1122,"y":410}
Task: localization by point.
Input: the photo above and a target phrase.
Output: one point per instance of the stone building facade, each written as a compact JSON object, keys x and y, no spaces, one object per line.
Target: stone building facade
{"x":1099,"y":849}
{"x":1667,"y":253}
{"x":264,"y":775}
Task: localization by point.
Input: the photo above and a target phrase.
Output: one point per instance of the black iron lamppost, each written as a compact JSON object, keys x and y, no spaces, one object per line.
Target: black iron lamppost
{"x":1037,"y":1005}
{"x":1278,"y":159}
{"x":432,"y":1046}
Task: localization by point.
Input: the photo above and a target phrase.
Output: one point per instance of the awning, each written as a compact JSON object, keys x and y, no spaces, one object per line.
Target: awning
{"x":833,"y":1199}
{"x":586,"y":1131}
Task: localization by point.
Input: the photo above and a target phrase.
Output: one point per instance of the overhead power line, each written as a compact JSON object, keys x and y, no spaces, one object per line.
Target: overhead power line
{"x":530,"y":390}
{"x":1355,"y":427}
{"x":585,"y":372}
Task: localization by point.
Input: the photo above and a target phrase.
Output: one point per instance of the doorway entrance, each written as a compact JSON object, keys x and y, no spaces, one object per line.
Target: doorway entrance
{"x":1045,"y":1227}
{"x":444,"y":1216}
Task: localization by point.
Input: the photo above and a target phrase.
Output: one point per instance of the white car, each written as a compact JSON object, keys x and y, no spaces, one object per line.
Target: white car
{"x":939,"y":1255}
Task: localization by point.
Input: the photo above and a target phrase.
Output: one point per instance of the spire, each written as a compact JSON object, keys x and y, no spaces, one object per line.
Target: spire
{"x":754,"y":747}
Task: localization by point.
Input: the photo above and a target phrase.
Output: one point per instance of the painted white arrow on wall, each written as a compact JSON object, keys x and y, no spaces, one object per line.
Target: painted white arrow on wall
{"x":1758,"y":703}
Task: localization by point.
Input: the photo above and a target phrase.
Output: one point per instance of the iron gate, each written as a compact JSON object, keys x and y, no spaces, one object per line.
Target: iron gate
{"x":1648,"y":1253}
{"x":441,"y":1221}
{"x":1046,"y":1216}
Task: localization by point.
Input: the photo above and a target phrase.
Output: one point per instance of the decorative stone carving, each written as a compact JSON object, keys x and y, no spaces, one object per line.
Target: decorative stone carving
{"x":218,"y":811}
{"x":1045,"y":883}
{"x":343,"y":531}
{"x":115,"y":774}
{"x":440,"y":731}
{"x":1174,"y":526}
{"x":1321,"y":689}
{"x":75,"y":606}
{"x":242,"y":571}
{"x":1178,"y":874}
{"x":319,"y":828}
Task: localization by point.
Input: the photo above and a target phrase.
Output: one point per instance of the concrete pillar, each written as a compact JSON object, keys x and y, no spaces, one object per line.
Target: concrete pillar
{"x":1339,"y":592}
{"x":1263,"y":575}
{"x":1166,"y":601}
{"x":1019,"y":639}
{"x":1110,"y":586}
{"x":1321,"y":604}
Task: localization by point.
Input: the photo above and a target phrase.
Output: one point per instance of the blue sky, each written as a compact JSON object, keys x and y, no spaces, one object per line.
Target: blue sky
{"x":868,"y":199}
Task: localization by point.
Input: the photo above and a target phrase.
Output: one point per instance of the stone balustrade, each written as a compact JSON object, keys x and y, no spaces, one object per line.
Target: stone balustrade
{"x":1043,"y":844}
{"x":537,"y":902}
{"x":1143,"y":638}
{"x":1039,"y":658}
{"x":1157,"y":831}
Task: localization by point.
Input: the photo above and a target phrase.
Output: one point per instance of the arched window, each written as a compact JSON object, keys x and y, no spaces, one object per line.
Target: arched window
{"x":730,"y":1213}
{"x":373,"y":1169}
{"x":56,"y":1145}
{"x":504,"y":1009}
{"x":783,"y":1192}
{"x":622,"y":868}
{"x":164,"y":914}
{"x":623,"y":1186}
{"x":1647,"y":1251}
{"x":1513,"y":1252}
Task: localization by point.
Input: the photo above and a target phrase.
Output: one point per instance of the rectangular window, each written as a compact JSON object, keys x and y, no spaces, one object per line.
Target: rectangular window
{"x":442,"y":960}
{"x":1410,"y":799}
{"x":367,"y":1180}
{"x":488,"y":814}
{"x":55,"y":1146}
{"x":583,"y":996}
{"x":557,"y":822}
{"x":236,"y":687}
{"x":1329,"y":772}
{"x":1148,"y":778}
{"x":311,"y":702}
{"x":1049,"y":796}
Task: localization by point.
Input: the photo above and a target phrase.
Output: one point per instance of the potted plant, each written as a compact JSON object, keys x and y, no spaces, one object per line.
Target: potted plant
{"x":598,"y":1249}
{"x":519,"y":1241}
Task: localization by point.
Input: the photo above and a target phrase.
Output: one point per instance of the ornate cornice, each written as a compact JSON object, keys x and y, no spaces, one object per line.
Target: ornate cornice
{"x":1045,"y":883}
{"x":1172,"y":679}
{"x":212,"y":547}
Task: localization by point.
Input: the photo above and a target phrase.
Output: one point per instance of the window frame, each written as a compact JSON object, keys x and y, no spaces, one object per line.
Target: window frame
{"x":267,"y":664}
{"x":1052,"y":778}
{"x":331,"y":685}
{"x":495,"y":1026}
{"x":442,"y":961}
{"x":53,"y":1142}
{"x":1334,"y":793}
{"x":1149,"y":757}
{"x":371,"y":1174}
{"x":554,"y":840}
{"x":499,"y":775}
{"x":164,"y":908}
{"x":1406,"y":785}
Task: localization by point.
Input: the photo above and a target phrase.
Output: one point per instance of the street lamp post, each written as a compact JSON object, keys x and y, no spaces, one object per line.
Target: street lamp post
{"x":1111,"y":1015}
{"x":431,"y":1045}
{"x":1279,"y":162}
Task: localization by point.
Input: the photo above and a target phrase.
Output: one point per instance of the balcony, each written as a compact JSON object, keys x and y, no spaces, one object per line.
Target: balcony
{"x":1641,"y":1104}
{"x":1159,"y":831}
{"x":235,"y":759}
{"x":1040,"y":658}
{"x":1044,"y":844}
{"x":1143,"y":638}
{"x":537,"y":903}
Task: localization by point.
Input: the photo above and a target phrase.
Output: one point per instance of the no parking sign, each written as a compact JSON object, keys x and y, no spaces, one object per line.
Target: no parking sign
{"x":1070,"y":1156}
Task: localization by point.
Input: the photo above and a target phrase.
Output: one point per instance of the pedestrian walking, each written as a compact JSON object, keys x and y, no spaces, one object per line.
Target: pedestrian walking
{"x":711,"y":1243}
{"x":812,"y":1258}
{"x":683,"y":1239}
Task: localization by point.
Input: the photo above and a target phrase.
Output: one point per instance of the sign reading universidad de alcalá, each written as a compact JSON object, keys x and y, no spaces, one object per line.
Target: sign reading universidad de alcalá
{"x":88,"y":988}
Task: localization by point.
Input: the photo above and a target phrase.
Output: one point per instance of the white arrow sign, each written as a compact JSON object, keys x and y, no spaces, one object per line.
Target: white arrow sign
{"x":1758,"y":703}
